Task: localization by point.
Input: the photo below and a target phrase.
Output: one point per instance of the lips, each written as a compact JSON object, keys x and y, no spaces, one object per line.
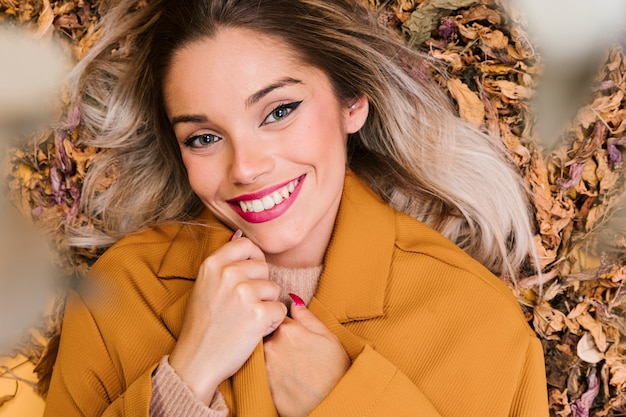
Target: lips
{"x":267,"y":204}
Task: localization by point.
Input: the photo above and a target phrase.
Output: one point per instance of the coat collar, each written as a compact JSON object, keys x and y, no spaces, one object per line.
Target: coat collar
{"x":356,"y":266}
{"x":358,"y":258}
{"x":192,"y":245}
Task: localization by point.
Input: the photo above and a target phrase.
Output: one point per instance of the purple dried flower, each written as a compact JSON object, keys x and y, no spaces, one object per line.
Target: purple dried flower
{"x":575,"y":173}
{"x":63,"y":160}
{"x":58,"y":186}
{"x":447,"y":27}
{"x":581,"y":406}
{"x":75,"y":193}
{"x":615,"y":156}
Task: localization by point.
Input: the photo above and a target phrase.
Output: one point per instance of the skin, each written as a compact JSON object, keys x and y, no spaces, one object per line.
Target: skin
{"x":250,"y":116}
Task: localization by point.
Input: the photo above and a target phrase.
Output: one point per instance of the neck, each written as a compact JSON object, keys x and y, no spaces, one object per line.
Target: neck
{"x":308,"y":254}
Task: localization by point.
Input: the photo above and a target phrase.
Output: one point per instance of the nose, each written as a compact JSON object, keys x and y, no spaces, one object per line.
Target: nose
{"x":250,"y":161}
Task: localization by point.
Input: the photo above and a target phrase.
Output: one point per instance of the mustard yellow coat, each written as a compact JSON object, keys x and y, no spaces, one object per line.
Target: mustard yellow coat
{"x":430,"y":331}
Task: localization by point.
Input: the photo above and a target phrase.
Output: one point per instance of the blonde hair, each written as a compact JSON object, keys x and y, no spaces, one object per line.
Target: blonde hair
{"x":414,"y":151}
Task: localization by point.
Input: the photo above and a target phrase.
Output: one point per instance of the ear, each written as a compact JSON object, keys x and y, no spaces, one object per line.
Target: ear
{"x":355,"y":114}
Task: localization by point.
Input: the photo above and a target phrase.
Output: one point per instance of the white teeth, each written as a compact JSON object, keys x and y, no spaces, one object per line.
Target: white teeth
{"x":257,"y":206}
{"x":270,"y":200}
{"x":277,"y":197}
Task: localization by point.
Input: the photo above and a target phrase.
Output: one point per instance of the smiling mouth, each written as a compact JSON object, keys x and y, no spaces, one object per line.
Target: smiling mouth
{"x":267,"y":204}
{"x":270,"y":200}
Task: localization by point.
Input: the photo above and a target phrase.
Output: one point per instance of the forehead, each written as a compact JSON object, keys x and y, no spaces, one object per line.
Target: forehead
{"x":234,"y":61}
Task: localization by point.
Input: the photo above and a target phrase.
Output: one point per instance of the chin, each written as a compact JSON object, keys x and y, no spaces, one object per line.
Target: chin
{"x":275,"y":246}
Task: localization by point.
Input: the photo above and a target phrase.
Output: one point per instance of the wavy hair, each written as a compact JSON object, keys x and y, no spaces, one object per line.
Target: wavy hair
{"x":414,"y":151}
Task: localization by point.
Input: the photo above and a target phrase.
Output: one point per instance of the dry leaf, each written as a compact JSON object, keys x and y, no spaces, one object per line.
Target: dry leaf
{"x":426,"y":18}
{"x":587,"y":350}
{"x":595,"y":329}
{"x":512,"y":90}
{"x":45,"y":20}
{"x":471,"y":107}
{"x":609,"y":103}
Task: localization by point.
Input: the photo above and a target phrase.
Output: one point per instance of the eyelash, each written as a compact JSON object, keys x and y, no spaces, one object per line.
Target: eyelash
{"x":289,"y":107}
{"x":191,"y":142}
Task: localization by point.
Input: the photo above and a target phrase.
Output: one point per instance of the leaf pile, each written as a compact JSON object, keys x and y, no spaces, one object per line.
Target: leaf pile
{"x":487,"y":63}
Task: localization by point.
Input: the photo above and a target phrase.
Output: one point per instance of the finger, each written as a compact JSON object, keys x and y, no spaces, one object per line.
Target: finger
{"x":242,"y":270}
{"x":252,"y":290}
{"x":277,"y":311}
{"x":239,"y":249}
{"x":233,"y":264}
{"x":308,"y":320}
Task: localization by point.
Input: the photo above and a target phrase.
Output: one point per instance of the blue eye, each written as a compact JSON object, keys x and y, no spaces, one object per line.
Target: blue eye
{"x":201,"y":141}
{"x":281,"y":112}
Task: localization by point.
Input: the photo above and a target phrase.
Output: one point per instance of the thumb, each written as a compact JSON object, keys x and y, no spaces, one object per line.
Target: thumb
{"x":305,"y":317}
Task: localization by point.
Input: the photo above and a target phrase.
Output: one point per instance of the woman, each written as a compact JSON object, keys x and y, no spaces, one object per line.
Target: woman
{"x":261,"y":146}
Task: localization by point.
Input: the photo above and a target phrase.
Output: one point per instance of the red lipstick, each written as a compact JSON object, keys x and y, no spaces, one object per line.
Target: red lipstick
{"x":269,"y":214}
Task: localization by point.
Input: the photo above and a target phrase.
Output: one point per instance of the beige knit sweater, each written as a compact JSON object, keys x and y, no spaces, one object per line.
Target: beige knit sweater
{"x":171,"y":397}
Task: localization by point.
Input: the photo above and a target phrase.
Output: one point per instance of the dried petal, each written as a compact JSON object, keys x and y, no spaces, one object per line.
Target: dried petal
{"x":615,"y":156}
{"x":587,"y":350}
{"x":582,"y":406}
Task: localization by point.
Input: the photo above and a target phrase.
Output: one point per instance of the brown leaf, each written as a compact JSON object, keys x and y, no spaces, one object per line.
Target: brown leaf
{"x":617,"y":366}
{"x":547,"y":321}
{"x":479,"y":13}
{"x":452,"y":58}
{"x":512,"y":90}
{"x":495,"y":39}
{"x":45,"y":20}
{"x":426,"y":18}
{"x":595,"y":329}
{"x":608,"y":104}
{"x":608,"y":178}
{"x":471,"y":107}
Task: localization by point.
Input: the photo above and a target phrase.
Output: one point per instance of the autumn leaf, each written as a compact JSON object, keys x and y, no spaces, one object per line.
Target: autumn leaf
{"x":471,"y":107}
{"x":426,"y":18}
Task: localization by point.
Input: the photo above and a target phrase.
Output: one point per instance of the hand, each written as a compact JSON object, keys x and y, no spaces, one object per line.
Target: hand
{"x":231,"y":308}
{"x":304,"y":361}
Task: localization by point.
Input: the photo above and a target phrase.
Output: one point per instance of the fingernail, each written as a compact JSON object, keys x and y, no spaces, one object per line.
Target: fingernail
{"x":297,"y":300}
{"x":238,"y":233}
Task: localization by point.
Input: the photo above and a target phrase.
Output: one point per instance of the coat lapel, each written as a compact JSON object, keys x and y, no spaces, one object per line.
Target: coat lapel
{"x":358,"y":259}
{"x":352,"y":343}
{"x":251,"y":390}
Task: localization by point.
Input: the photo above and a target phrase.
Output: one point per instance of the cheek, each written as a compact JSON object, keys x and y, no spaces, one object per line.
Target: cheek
{"x":204,"y":178}
{"x":324,"y":138}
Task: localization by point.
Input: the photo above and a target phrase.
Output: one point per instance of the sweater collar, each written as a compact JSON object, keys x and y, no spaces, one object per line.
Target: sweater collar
{"x":356,"y":264}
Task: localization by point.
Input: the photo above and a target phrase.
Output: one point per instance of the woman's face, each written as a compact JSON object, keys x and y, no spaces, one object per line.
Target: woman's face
{"x":263,"y":138}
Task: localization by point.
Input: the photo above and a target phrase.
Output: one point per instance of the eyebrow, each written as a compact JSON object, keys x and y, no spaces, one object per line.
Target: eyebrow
{"x":254,"y":98}
{"x":193,"y":118}
{"x":250,"y":101}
